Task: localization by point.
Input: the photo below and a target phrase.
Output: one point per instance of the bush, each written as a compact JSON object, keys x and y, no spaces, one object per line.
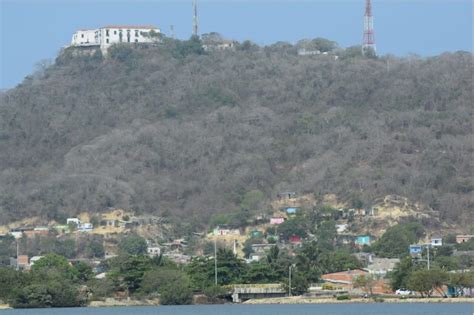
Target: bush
{"x":176,"y":293}
{"x":343,"y":297}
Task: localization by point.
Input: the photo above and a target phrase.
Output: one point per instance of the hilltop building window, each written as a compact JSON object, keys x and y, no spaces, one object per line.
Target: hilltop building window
{"x":106,"y":32}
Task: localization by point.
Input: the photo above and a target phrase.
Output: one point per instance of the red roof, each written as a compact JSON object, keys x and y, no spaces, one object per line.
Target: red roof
{"x":131,"y":26}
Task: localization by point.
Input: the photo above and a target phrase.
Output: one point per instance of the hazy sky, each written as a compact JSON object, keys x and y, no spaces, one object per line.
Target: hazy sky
{"x":35,"y":30}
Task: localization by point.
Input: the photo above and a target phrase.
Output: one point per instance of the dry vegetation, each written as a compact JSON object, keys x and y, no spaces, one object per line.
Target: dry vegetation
{"x":176,"y":132}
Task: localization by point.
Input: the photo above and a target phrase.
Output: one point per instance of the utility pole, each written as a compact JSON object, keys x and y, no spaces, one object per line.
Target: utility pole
{"x":289,"y":281}
{"x":195,"y":19}
{"x":369,"y":41}
{"x":428,"y":247}
{"x":17,"y":253}
{"x":215,"y":262}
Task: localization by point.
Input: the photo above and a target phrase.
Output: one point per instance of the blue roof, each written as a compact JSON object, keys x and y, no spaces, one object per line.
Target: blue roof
{"x":291,"y":210}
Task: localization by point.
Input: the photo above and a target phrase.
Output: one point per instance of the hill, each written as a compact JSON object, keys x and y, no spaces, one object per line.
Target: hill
{"x":175,"y":131}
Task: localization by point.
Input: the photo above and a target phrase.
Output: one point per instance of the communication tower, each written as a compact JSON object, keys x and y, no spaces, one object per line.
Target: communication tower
{"x":369,"y":41}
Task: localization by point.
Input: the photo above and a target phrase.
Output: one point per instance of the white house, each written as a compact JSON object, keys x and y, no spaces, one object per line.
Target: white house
{"x":153,"y":251}
{"x":75,"y":221}
{"x":436,"y":241}
{"x":115,"y":34}
{"x":85,"y":37}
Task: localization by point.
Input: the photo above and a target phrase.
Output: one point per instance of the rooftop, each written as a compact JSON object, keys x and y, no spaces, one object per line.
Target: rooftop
{"x":131,"y":26}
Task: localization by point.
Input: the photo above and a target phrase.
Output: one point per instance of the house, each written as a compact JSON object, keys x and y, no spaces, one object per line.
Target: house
{"x":416,"y":250}
{"x":463,"y":238}
{"x":308,"y":52}
{"x":224,"y":44}
{"x":277,"y":220}
{"x":262,"y":248}
{"x":340,"y":228}
{"x":362,"y":240}
{"x":436,"y":241}
{"x":287,"y":195}
{"x":108,"y":35}
{"x":256,"y":234}
{"x":292,"y":210}
{"x":153,"y":251}
{"x":61,"y":228}
{"x":18,"y":232}
{"x":381,"y":266}
{"x":75,"y":221}
{"x":222,"y":231}
{"x":34,"y":259}
{"x":345,"y":239}
{"x":255,"y":257}
{"x":345,"y":280}
{"x":37,"y":231}
{"x":22,"y":262}
{"x":295,"y":239}
{"x":85,"y":227}
{"x":364,"y":258}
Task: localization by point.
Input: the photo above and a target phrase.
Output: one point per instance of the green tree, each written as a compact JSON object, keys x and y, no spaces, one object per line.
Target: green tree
{"x":366,"y":282}
{"x":54,"y":264}
{"x":400,"y":274}
{"x":426,"y":281}
{"x":176,"y":293}
{"x":397,"y":239}
{"x":294,"y":226}
{"x":260,"y":272}
{"x":127,"y":272}
{"x":133,"y":245}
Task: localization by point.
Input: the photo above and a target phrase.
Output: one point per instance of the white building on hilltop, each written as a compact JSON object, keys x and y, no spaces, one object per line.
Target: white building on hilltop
{"x":115,"y":34}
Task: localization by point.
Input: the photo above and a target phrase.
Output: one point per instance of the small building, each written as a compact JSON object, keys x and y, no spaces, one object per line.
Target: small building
{"x":256,"y":234}
{"x":85,"y":227}
{"x":287,"y":195}
{"x":61,"y":228}
{"x":362,"y":240}
{"x":153,"y":251}
{"x":292,"y":210}
{"x":277,"y":220}
{"x":308,"y":52}
{"x":416,"y":250}
{"x":22,"y":262}
{"x":343,"y":279}
{"x":222,"y":231}
{"x":262,"y":248}
{"x":18,"y":232}
{"x":436,"y":241}
{"x":341,"y":228}
{"x":463,"y":238}
{"x":37,"y":231}
{"x":75,"y":221}
{"x":295,"y":239}
{"x":34,"y":259}
{"x":365,"y":258}
{"x":381,"y":266}
{"x":345,"y":239}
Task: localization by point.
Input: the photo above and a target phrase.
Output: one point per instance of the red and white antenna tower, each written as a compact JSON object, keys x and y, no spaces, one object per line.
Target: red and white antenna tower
{"x":369,"y":41}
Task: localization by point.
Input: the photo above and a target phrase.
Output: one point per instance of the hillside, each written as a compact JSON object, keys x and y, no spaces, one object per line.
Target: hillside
{"x":175,"y":131}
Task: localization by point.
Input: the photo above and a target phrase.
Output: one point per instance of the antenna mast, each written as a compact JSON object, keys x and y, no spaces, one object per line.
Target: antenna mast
{"x":369,"y":41}
{"x":195,"y":19}
{"x":172,"y":32}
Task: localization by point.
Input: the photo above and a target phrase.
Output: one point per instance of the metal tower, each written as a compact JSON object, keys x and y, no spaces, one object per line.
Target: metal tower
{"x":369,"y":41}
{"x":195,"y":18}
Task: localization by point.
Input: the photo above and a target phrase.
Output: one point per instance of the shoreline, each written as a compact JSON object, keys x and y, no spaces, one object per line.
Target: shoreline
{"x":111,"y":302}
{"x":308,"y":300}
